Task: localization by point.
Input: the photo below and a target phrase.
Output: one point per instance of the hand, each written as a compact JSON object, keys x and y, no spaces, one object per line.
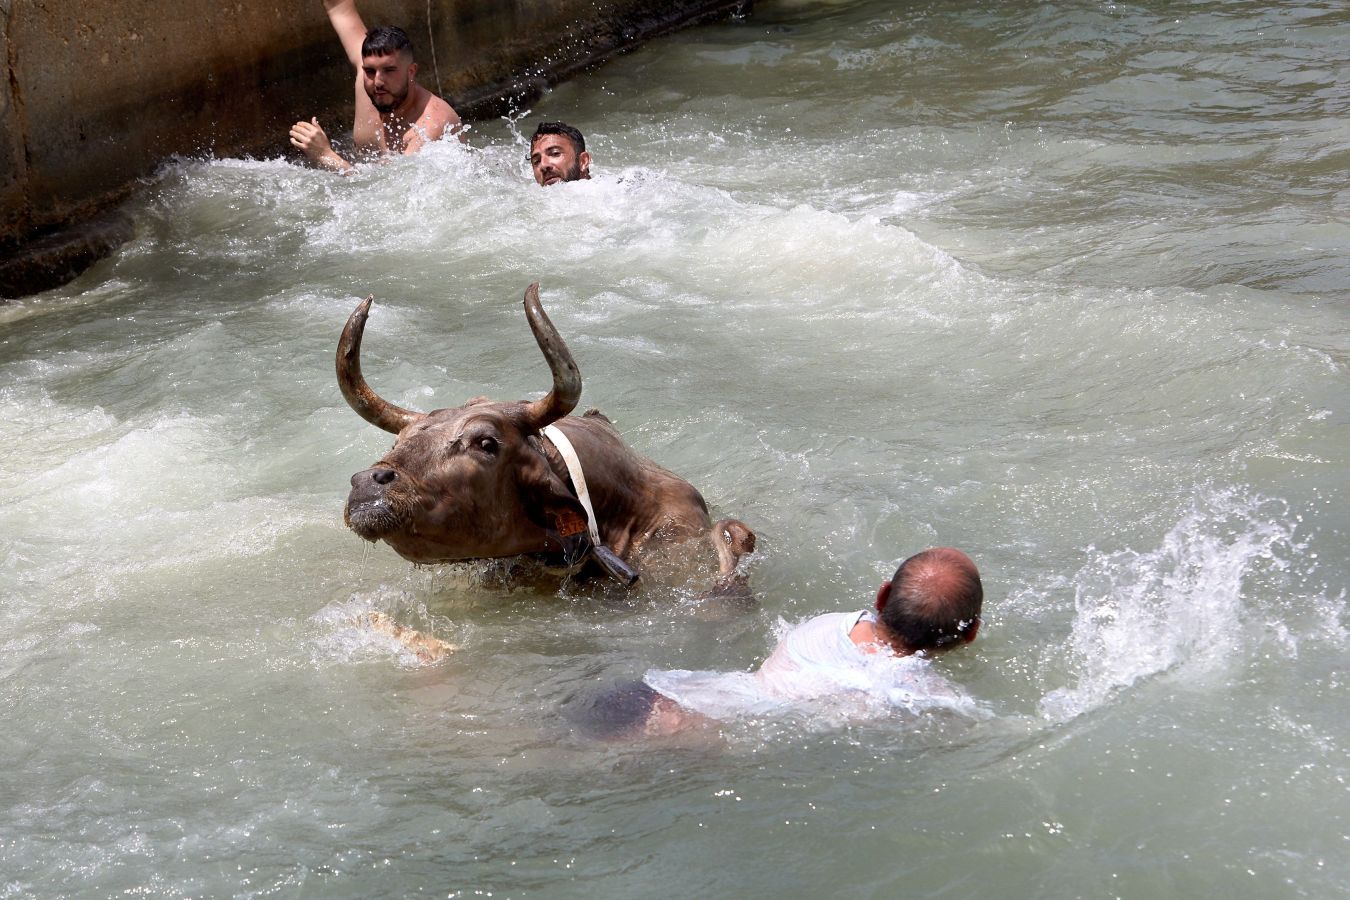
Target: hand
{"x":309,"y":138}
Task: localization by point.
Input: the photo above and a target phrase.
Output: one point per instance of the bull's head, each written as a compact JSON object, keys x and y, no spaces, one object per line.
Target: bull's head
{"x":463,"y":483}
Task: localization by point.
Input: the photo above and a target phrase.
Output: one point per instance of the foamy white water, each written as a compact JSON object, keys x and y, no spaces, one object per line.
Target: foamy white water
{"x":1065,"y":287}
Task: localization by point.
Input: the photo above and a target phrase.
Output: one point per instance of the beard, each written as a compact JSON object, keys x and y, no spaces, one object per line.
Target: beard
{"x":392,"y":103}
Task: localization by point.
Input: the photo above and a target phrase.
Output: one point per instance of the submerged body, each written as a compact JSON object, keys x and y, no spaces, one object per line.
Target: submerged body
{"x":817,"y":661}
{"x":850,"y":662}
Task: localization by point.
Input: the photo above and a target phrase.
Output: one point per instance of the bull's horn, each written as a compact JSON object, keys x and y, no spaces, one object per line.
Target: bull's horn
{"x":566,"y":376}
{"x":366,"y":402}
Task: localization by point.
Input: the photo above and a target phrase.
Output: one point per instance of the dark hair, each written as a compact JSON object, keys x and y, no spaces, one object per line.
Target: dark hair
{"x":386,"y":40}
{"x":562,"y":128}
{"x":935,"y":600}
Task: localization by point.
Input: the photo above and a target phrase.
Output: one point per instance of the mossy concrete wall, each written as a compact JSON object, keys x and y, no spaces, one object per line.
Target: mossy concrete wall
{"x":97,"y":92}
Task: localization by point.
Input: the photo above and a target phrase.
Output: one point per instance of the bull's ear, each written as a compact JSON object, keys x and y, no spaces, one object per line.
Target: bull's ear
{"x":548,"y":501}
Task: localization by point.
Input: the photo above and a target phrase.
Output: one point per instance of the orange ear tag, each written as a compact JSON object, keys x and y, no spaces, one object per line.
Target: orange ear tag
{"x":569,"y":523}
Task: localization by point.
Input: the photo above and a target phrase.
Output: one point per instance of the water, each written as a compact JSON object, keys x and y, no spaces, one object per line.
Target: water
{"x":1063,"y":285}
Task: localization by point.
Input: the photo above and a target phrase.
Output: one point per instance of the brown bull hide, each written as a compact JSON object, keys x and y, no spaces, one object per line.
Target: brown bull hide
{"x":479,"y":481}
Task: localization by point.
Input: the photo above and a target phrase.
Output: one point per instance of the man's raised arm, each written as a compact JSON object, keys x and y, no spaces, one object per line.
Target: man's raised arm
{"x":350,"y":29}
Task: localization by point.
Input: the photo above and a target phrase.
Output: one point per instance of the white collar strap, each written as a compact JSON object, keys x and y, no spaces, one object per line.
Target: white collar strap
{"x":573,"y":462}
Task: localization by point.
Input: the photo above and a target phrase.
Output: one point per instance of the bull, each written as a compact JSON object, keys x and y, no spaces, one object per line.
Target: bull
{"x":490,"y":480}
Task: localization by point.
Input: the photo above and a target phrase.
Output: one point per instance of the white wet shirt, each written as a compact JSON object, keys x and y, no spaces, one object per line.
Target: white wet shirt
{"x":818,"y":657}
{"x":815,"y":661}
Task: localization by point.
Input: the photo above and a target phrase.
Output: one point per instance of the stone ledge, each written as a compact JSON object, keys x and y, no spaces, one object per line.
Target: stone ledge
{"x":51,"y":260}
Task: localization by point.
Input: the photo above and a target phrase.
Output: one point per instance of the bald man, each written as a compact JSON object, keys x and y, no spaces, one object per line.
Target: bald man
{"x":931,"y":605}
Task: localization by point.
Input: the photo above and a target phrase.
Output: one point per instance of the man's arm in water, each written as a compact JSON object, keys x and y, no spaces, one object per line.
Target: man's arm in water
{"x":309,"y":137}
{"x":367,"y":129}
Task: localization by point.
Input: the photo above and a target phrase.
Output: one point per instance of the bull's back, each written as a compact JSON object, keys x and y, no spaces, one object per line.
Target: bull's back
{"x":635,"y":498}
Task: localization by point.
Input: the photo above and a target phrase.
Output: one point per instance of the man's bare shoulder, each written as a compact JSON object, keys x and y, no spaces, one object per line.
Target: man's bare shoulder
{"x":433,"y":119}
{"x":438,"y":112}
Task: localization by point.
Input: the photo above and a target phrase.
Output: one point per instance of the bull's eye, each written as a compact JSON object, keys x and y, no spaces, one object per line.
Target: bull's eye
{"x":487,"y":444}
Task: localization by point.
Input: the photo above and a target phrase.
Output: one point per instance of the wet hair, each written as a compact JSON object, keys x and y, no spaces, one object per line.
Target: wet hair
{"x":935,"y":600}
{"x":385,"y":41}
{"x":620,"y":712}
{"x":562,"y":128}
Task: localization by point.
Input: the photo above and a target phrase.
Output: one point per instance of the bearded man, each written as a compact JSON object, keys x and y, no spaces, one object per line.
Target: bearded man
{"x":394,"y":114}
{"x":558,"y":154}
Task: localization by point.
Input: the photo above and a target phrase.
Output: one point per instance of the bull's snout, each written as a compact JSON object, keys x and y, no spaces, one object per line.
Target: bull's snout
{"x":369,"y":512}
{"x":381,"y":476}
{"x":371,"y":486}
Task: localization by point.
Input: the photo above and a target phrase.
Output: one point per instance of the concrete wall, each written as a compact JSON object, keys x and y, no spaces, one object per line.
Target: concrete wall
{"x":97,"y":92}
{"x":13,"y":167}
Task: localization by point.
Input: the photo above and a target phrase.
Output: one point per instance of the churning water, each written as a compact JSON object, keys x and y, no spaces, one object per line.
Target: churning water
{"x":1064,"y":285}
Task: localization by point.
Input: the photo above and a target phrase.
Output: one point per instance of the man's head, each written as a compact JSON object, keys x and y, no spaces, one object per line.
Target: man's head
{"x":387,"y":66}
{"x":933,"y":601}
{"x":558,"y":153}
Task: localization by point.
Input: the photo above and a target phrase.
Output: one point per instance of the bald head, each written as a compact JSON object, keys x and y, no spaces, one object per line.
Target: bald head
{"x":933,"y":601}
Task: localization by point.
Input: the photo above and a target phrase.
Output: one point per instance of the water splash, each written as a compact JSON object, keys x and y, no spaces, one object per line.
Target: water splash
{"x":348,"y":635}
{"x":1178,"y":607}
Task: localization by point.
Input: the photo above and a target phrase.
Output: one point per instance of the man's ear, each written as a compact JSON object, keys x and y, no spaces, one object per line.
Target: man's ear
{"x":883,"y":595}
{"x":972,"y":631}
{"x":585,"y":160}
{"x":412,"y":72}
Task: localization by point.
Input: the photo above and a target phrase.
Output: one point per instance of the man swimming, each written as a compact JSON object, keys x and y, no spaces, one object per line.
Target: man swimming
{"x":931,"y":605}
{"x":558,"y":153}
{"x":394,"y":114}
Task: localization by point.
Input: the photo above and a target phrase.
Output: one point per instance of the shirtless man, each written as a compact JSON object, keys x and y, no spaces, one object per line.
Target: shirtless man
{"x":394,"y":114}
{"x":558,"y":153}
